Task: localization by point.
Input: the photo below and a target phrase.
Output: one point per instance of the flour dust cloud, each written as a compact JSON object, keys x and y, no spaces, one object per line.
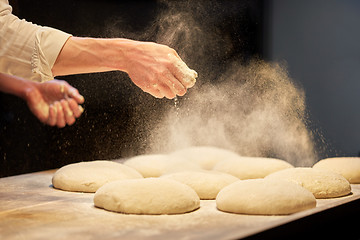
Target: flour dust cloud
{"x":252,"y":107}
{"x":255,"y":110}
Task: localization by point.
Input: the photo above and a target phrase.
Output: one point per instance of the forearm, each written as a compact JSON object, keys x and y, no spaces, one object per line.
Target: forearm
{"x":87,"y":55}
{"x":15,"y":85}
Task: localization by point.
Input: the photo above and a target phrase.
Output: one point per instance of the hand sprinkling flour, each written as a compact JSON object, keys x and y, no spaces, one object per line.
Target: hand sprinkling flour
{"x":155,"y":68}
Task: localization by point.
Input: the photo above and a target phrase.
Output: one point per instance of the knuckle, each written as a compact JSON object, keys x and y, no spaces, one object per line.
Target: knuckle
{"x":161,"y":72}
{"x":182,"y":92}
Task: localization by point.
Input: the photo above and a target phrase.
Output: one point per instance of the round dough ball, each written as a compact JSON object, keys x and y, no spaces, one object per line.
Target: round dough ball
{"x":322,"y":183}
{"x":206,"y":184}
{"x":147,"y":196}
{"x":206,"y":157}
{"x":251,"y":167}
{"x":264,"y":197}
{"x":89,"y":176}
{"x":349,"y":167}
{"x":155,"y":165}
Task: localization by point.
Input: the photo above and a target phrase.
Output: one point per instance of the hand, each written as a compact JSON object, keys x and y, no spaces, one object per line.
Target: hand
{"x":158,"y":70}
{"x":55,"y":102}
{"x":155,"y":68}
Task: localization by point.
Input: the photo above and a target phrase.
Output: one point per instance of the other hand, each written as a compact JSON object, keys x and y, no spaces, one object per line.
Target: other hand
{"x":55,"y":102}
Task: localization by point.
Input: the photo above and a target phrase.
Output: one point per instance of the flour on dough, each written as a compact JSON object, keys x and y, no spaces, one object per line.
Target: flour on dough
{"x":251,"y":167}
{"x":206,"y":184}
{"x":89,"y":176}
{"x":147,"y":196}
{"x":349,"y":167}
{"x":264,"y":197}
{"x":322,"y":183}
{"x":205,"y":156}
{"x":155,"y":165}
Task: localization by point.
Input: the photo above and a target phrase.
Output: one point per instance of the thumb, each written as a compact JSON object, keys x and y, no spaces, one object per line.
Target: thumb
{"x":74,"y":93}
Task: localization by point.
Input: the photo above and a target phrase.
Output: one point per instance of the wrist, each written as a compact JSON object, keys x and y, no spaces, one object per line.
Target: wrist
{"x":16,"y":86}
{"x":27,"y":89}
{"x":118,"y":53}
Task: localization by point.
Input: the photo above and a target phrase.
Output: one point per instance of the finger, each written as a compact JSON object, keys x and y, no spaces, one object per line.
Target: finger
{"x":68,"y":113}
{"x":52,"y":115}
{"x":74,"y":93}
{"x":174,"y":85}
{"x":67,"y":91}
{"x":176,"y":55}
{"x":150,"y":90}
{"x":162,"y":90}
{"x":62,"y":88}
{"x":166,"y":91}
{"x":41,"y":111}
{"x":154,"y":92}
{"x":81,"y":109}
{"x":60,"y":119}
{"x":182,"y":72}
{"x":189,"y":78}
{"x":75,"y":108}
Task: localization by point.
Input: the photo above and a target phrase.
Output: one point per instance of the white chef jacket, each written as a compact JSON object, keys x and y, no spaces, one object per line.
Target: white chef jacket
{"x":27,"y":50}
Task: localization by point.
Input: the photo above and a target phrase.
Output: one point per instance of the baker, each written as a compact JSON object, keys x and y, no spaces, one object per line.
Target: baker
{"x":31,"y":56}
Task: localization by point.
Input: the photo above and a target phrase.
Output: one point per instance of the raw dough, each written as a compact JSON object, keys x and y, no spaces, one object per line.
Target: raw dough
{"x":251,"y":167}
{"x":264,"y":197}
{"x":155,"y":165}
{"x":147,"y":196}
{"x":349,"y":167}
{"x":206,"y":184}
{"x":322,"y":183}
{"x":89,"y":176}
{"x":205,"y":156}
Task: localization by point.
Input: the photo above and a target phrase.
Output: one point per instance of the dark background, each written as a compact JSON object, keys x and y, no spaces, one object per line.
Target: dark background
{"x":116,"y":111}
{"x":319,"y":40}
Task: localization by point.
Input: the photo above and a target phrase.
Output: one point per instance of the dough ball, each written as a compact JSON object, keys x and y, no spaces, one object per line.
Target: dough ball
{"x":349,"y":167}
{"x":206,"y":157}
{"x":322,"y":183}
{"x":251,"y":167}
{"x":155,"y":165}
{"x":147,"y":196}
{"x":264,"y":197}
{"x":89,"y":176}
{"x":206,"y":184}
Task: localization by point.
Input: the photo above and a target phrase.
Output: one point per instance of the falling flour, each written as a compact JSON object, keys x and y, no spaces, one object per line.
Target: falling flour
{"x":251,"y":107}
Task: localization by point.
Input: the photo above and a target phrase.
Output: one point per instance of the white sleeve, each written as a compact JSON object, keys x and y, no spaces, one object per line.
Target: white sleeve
{"x":27,"y":50}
